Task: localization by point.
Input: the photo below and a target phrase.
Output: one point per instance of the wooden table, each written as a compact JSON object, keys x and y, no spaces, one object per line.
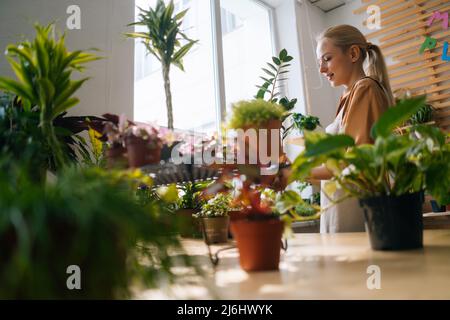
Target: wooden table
{"x":315,"y":266}
{"x":436,"y":220}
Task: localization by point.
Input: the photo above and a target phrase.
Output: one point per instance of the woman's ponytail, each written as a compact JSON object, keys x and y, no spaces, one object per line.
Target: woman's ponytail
{"x":376,"y":68}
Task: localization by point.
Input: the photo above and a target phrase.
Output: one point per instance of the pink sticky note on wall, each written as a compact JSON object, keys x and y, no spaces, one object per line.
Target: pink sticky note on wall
{"x":438,"y":15}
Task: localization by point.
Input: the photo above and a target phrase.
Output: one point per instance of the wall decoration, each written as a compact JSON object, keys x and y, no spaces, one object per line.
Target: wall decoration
{"x":73,"y":22}
{"x":414,"y":37}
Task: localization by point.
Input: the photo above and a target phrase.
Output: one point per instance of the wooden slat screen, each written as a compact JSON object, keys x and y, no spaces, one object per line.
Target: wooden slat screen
{"x":403,"y":30}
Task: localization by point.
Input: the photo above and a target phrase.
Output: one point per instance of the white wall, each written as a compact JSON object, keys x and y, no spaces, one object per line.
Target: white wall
{"x":320,"y":98}
{"x":103,"y":23}
{"x":111,"y":87}
{"x":344,"y":15}
{"x":299,"y":23}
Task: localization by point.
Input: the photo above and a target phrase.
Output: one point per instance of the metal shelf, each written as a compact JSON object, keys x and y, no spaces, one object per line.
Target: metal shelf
{"x":168,"y":173}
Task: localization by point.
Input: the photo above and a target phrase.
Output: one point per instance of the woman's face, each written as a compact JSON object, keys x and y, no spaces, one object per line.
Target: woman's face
{"x":334,"y":64}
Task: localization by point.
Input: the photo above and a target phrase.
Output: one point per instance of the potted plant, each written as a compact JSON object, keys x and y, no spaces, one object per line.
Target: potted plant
{"x":164,"y":40}
{"x":44,"y":68}
{"x":143,"y":144}
{"x":389,"y":177}
{"x":274,"y":78}
{"x":423,"y":115}
{"x":214,"y":220}
{"x":189,"y":203}
{"x":114,"y":130}
{"x":256,"y":115}
{"x":302,"y":122}
{"x":35,"y":119}
{"x":87,"y":218}
{"x":258,"y":235}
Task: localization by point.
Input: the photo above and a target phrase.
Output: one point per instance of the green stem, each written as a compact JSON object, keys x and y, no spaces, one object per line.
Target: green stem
{"x":274,"y":83}
{"x":166,"y":71}
{"x":54,"y":144}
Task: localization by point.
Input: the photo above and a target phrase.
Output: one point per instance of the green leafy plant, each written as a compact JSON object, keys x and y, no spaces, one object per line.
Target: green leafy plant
{"x":164,"y":40}
{"x":315,"y":197}
{"x":423,"y":115}
{"x":43,"y":68}
{"x":21,"y":138}
{"x":19,"y":131}
{"x":274,"y":79}
{"x":254,"y":112}
{"x":306,"y":210}
{"x":191,"y":195}
{"x":98,"y":148}
{"x":290,"y":203}
{"x":302,"y":122}
{"x":393,"y":165}
{"x":218,"y":206}
{"x":85,"y":217}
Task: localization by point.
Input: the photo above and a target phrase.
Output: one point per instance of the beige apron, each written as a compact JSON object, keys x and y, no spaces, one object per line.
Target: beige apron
{"x":346,"y":216}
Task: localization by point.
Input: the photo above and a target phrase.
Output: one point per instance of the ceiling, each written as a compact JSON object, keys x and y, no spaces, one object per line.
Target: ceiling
{"x":324,"y":5}
{"x":327,"y":5}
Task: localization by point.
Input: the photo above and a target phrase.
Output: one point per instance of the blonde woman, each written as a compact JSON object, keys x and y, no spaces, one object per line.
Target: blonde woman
{"x":342,"y":51}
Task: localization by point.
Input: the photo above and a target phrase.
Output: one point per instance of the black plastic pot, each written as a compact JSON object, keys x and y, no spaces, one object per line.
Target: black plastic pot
{"x":394,"y":222}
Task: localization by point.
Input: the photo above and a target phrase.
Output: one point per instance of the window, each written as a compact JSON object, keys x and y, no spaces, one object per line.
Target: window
{"x":246,"y":40}
{"x":246,"y":50}
{"x":230,"y":22}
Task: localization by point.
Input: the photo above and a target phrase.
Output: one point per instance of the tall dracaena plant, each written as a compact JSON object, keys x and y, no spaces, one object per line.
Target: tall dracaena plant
{"x":163,"y":39}
{"x":43,"y":68}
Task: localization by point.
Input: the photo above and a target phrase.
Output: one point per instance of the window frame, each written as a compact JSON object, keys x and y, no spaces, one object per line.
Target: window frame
{"x":219,"y":74}
{"x":218,"y":59}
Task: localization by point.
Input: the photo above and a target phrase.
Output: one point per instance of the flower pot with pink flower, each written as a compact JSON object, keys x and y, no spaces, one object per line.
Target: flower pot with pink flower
{"x":143,"y":145}
{"x":114,"y":129}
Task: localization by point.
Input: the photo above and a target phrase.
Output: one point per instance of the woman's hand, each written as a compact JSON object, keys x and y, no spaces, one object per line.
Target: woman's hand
{"x":319,"y":173}
{"x":281,"y":179}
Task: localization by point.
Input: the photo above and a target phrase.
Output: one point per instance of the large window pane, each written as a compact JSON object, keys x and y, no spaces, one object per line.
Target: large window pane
{"x":247,"y":46}
{"x":193,"y":90}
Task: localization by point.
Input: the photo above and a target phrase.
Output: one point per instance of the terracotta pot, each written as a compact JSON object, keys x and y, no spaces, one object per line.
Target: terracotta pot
{"x":141,"y":153}
{"x":235,"y":215}
{"x":189,"y":227}
{"x":254,"y":150}
{"x":259,"y":243}
{"x":116,"y":157}
{"x":216,"y":229}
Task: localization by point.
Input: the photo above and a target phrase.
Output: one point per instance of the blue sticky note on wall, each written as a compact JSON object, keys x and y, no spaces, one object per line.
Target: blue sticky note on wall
{"x":445,"y":56}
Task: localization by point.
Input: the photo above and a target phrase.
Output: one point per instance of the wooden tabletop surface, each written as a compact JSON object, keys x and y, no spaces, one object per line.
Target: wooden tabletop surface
{"x":315,"y":266}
